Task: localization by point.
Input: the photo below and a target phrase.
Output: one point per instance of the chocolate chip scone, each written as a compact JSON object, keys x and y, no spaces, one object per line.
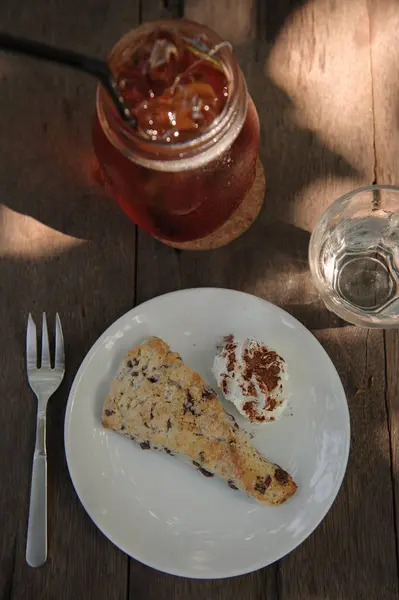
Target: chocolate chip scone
{"x":160,"y":403}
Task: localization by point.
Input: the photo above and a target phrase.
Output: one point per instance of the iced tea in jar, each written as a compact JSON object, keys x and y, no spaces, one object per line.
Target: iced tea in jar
{"x":191,"y":159}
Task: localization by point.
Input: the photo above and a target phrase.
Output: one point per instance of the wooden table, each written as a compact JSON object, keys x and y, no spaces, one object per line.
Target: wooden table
{"x":324,"y":75}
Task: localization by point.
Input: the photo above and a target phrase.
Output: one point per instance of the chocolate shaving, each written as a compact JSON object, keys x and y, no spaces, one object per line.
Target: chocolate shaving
{"x":264,"y":365}
{"x":270,"y":403}
{"x":250,"y":410}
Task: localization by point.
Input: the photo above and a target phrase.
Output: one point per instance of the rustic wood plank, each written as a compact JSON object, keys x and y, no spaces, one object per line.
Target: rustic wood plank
{"x":308,"y":69}
{"x":384,"y":27}
{"x":307,"y":61}
{"x":392,"y":399}
{"x":64,"y":246}
{"x":147,"y":584}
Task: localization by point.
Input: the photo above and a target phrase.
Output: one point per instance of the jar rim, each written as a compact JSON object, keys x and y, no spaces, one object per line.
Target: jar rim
{"x":160,"y":154}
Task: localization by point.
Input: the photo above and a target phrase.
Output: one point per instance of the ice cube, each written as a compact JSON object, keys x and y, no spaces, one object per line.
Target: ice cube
{"x":162,"y":52}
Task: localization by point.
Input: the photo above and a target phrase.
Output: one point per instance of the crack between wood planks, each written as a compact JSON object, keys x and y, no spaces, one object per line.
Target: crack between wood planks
{"x":372,"y":95}
{"x":128,"y":578}
{"x":177,"y":254}
{"x":9,"y":579}
{"x":391,"y":454}
{"x":174,"y":8}
{"x":366,"y":359}
{"x":277,"y":580}
{"x":136,"y":264}
{"x":387,"y":410}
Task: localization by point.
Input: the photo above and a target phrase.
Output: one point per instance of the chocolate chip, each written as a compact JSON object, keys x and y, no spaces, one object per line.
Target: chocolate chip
{"x":204,"y":472}
{"x":153,"y":379}
{"x":109,"y":412}
{"x":129,"y":364}
{"x":230,"y":483}
{"x":261,"y":484}
{"x":123,"y":428}
{"x":208,"y":393}
{"x":145,"y":445}
{"x":152,"y":412}
{"x":169,"y":424}
{"x":202,"y":456}
{"x":189,"y":406}
{"x":146,"y":424}
{"x":281,"y":475}
{"x":235,"y":424}
{"x":168,"y":452}
{"x":199,"y":434}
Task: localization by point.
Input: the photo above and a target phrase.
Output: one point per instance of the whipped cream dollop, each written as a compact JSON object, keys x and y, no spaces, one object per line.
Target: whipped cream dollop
{"x":250,"y":376}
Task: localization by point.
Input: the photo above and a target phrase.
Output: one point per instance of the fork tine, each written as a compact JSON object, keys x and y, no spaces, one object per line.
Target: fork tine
{"x":45,"y":344}
{"x":59,"y":344}
{"x":31,"y":344}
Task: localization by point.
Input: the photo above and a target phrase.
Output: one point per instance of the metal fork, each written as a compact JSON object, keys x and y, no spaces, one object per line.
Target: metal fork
{"x":44,"y":381}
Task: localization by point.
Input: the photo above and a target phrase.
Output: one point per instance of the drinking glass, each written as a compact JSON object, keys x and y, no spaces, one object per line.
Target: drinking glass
{"x":354,"y":256}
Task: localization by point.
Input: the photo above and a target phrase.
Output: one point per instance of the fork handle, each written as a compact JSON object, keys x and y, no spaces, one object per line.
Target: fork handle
{"x":36,"y":545}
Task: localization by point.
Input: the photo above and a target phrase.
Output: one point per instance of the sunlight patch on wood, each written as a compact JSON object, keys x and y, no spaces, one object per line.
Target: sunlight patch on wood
{"x":22,"y":236}
{"x":323,"y":65}
{"x":321,"y":193}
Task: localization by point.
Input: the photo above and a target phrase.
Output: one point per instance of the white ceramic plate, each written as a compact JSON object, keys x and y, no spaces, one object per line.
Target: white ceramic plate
{"x":165,"y":513}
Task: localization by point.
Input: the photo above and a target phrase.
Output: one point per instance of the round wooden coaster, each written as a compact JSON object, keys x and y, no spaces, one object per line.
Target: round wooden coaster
{"x":238,"y":223}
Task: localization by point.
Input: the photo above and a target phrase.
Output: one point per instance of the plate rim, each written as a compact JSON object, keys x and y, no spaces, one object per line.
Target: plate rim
{"x":184,"y":573}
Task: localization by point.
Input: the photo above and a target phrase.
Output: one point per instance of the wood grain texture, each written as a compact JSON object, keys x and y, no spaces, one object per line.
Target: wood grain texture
{"x":384,"y":27}
{"x":65,"y":246}
{"x":392,"y":399}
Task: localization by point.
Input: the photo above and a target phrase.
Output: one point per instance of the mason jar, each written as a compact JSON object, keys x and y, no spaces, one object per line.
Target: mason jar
{"x":184,"y":185}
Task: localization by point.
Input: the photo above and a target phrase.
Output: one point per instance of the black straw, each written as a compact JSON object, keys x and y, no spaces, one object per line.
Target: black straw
{"x":93,"y":66}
